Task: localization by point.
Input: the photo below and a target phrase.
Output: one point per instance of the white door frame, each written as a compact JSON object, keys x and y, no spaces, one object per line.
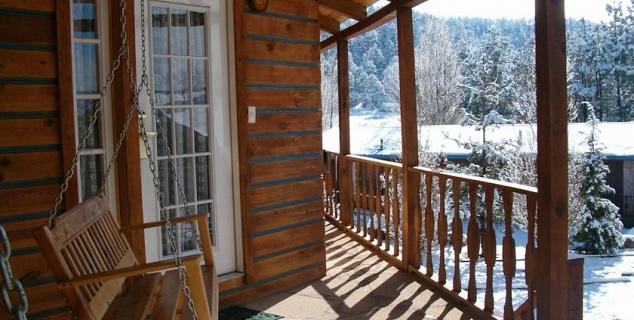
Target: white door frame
{"x":228,"y":253}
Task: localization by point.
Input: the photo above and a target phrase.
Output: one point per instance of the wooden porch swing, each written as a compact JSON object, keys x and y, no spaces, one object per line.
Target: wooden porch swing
{"x":89,"y":255}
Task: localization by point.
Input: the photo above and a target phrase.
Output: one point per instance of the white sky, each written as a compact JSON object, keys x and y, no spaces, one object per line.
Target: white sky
{"x":593,"y":10}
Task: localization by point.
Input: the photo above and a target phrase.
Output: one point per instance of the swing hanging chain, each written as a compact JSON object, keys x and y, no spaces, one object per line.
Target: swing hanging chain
{"x":10,"y":283}
{"x":123,"y":53}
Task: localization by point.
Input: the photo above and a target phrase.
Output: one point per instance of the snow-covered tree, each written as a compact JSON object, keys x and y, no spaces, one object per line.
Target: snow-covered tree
{"x":329,"y":89}
{"x":597,"y":229}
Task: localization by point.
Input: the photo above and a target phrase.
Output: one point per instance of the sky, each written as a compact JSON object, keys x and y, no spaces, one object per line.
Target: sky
{"x":593,"y":10}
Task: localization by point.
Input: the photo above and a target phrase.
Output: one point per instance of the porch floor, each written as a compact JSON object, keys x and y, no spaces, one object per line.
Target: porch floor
{"x":358,"y":285}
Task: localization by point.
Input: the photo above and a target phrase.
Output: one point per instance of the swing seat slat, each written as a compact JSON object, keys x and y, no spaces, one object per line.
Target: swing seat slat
{"x":91,"y":259}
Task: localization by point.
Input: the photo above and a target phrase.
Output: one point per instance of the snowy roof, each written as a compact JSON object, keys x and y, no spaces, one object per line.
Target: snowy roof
{"x":379,"y":134}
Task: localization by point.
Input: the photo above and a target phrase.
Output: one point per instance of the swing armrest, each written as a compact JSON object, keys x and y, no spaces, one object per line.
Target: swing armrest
{"x":201,"y":221}
{"x":126,"y":272}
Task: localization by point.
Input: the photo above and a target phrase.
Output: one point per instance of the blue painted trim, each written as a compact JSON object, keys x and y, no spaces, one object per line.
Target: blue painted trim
{"x":284,"y":204}
{"x":284,"y":134}
{"x":23,"y":217}
{"x":35,"y":148}
{"x":281,"y":86}
{"x":286,"y":227}
{"x":27,"y":46}
{"x":26,"y":12}
{"x":24,"y":251}
{"x":286,"y":63}
{"x":287,"y":250}
{"x":627,"y":157}
{"x":30,"y":183}
{"x":282,"y":15}
{"x":286,"y":110}
{"x":4,"y":80}
{"x":48,"y":312}
{"x":289,"y":40}
{"x":277,"y":182}
{"x":271,"y":279}
{"x":299,"y":156}
{"x":29,"y":115}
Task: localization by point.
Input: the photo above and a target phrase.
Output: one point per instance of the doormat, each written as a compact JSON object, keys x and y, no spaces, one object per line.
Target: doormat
{"x":241,"y":313}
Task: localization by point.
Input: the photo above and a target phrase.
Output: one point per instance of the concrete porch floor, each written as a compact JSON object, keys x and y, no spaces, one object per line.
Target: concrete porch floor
{"x":358,"y":285}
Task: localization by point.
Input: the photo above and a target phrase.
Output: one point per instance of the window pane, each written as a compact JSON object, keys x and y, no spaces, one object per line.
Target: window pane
{"x":207,"y":208}
{"x":86,"y":72}
{"x":160,"y":24}
{"x":84,"y":14}
{"x":91,"y":173}
{"x":187,"y":236}
{"x":199,"y":80}
{"x":197,"y":33}
{"x":165,"y":116}
{"x":182,"y":123}
{"x":185,"y":169}
{"x":162,"y":92}
{"x":201,"y":129}
{"x":179,"y":32}
{"x":85,"y":109}
{"x":166,"y":250}
{"x":180,"y":81}
{"x":202,"y":178}
{"x":167,"y":182}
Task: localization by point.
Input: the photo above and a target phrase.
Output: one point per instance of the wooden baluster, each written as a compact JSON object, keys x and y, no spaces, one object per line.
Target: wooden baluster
{"x":508,"y":253}
{"x":529,"y":263}
{"x":365,"y":198}
{"x":328,"y":184}
{"x":429,"y":224}
{"x":395,"y":210}
{"x":379,"y":230}
{"x":359,"y":195}
{"x":473,"y":242}
{"x":372,"y":199}
{"x":456,"y":234}
{"x":335,"y":191}
{"x":388,"y":207}
{"x":489,"y":249}
{"x":442,"y":230}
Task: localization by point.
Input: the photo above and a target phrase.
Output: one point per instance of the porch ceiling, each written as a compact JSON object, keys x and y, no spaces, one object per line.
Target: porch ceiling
{"x":334,"y":12}
{"x":358,"y":285}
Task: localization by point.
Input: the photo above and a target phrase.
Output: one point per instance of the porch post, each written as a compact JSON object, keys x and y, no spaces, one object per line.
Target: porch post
{"x":409,"y":136}
{"x":552,"y":159}
{"x":344,"y":172}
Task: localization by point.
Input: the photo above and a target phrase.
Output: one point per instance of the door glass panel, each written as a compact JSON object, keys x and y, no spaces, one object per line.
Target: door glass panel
{"x":160,"y":24}
{"x":180,"y":74}
{"x":202,"y":178}
{"x":85,"y":110}
{"x":178,"y":32}
{"x":197,"y":33}
{"x":164,"y":131}
{"x":167,"y":183}
{"x":162,"y":82}
{"x":185,"y":171}
{"x":84,"y":19}
{"x":199,"y":80}
{"x":182,"y":124}
{"x":86,"y":68}
{"x":201,"y":129}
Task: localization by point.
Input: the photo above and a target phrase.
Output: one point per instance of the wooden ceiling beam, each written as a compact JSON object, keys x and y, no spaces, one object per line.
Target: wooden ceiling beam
{"x":375,"y":20}
{"x":347,"y":8}
{"x":329,"y":24}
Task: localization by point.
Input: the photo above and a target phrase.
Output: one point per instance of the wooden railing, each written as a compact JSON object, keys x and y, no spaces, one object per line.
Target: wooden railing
{"x":448,"y":202}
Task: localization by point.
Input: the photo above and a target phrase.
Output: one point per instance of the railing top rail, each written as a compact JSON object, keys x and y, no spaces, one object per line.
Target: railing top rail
{"x":332,"y":152}
{"x":376,"y":162}
{"x":513,"y":187}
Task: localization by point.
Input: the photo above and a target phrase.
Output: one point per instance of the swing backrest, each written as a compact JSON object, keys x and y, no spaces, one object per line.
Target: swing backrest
{"x":86,"y":240}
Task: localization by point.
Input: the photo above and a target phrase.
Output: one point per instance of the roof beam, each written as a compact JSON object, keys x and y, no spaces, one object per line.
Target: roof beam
{"x":375,"y":20}
{"x":329,"y":24}
{"x":347,"y":8}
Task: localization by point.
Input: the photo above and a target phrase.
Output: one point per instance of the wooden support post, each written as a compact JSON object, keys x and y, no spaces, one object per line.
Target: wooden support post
{"x":552,"y":160}
{"x":409,"y":134}
{"x":344,"y":174}
{"x":128,"y":163}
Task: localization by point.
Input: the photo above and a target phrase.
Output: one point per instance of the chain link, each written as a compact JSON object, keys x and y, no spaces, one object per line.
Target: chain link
{"x":124,"y":54}
{"x":10,"y":283}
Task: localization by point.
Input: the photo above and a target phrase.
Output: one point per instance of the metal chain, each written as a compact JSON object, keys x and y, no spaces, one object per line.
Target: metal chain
{"x":10,"y":283}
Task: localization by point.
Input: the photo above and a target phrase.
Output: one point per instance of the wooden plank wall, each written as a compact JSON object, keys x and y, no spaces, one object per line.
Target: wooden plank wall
{"x":30,"y":142}
{"x":277,"y":60}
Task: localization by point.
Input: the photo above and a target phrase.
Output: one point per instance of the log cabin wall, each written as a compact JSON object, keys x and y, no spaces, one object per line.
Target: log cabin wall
{"x":30,"y":142}
{"x":277,"y":71}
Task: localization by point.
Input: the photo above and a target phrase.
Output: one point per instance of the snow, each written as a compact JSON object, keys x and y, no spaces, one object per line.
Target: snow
{"x":368,"y":128}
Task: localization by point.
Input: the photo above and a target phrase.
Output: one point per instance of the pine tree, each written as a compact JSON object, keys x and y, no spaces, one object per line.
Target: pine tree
{"x":597,"y":229}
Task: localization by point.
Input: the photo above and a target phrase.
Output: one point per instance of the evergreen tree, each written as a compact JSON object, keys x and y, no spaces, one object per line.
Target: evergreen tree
{"x":597,"y":229}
